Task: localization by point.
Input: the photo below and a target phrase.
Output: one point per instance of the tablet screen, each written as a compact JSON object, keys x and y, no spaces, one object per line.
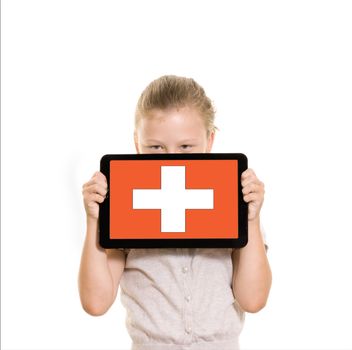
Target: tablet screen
{"x":173,"y":200}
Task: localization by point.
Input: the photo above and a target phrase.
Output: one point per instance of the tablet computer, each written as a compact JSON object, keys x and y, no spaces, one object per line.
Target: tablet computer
{"x":173,"y":200}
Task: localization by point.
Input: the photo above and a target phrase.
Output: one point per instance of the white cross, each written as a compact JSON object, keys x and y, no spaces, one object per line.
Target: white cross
{"x":173,"y":199}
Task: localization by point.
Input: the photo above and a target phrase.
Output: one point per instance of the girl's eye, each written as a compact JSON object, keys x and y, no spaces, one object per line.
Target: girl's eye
{"x":154,"y":146}
{"x":186,"y":146}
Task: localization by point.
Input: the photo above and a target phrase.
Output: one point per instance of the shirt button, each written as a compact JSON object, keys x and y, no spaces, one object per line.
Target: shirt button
{"x":188,"y":297}
{"x":184,"y":269}
{"x":188,"y":329}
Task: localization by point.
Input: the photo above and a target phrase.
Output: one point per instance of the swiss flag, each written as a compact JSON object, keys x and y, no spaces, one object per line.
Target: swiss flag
{"x":173,"y":199}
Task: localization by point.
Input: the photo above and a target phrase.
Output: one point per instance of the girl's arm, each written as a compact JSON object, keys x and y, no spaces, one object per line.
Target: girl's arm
{"x":100,"y":270}
{"x":99,"y":274}
{"x":252,"y":273}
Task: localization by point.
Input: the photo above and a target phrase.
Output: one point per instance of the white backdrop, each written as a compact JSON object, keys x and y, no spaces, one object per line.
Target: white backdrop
{"x":280,"y":75}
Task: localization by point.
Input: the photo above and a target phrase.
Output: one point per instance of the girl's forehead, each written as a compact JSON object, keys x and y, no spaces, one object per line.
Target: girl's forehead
{"x":184,"y":116}
{"x":175,"y":123}
{"x":186,"y":111}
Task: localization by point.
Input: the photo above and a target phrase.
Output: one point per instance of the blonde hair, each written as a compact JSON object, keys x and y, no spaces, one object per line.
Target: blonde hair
{"x":171,"y":91}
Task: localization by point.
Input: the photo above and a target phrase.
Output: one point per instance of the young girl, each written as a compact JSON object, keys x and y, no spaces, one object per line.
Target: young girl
{"x":175,"y":299}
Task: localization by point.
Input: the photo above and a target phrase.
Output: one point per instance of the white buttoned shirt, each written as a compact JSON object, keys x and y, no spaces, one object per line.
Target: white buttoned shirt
{"x":180,"y":299}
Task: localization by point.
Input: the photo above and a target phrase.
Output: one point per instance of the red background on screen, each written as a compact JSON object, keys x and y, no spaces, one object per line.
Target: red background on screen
{"x":128,"y":223}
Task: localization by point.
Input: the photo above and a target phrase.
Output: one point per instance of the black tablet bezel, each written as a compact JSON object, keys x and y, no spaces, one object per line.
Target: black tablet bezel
{"x":104,"y":208}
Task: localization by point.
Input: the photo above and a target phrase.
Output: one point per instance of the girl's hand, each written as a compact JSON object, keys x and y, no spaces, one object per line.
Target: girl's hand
{"x":94,"y":192}
{"x":253,"y":193}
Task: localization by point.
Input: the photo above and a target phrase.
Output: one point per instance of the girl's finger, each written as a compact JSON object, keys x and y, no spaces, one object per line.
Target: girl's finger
{"x":97,"y":197}
{"x":249,"y":180}
{"x":99,"y":175}
{"x":95,"y":181}
{"x":94,"y":198}
{"x":251,"y":197}
{"x":248,"y":173}
{"x":96,"y":188}
{"x":252,"y":187}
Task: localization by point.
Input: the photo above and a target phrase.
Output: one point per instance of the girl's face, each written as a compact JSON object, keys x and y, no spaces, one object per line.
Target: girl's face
{"x":173,"y":130}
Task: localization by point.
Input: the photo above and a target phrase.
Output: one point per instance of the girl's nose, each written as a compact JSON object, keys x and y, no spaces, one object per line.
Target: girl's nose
{"x":171,"y":150}
{"x":174,"y":151}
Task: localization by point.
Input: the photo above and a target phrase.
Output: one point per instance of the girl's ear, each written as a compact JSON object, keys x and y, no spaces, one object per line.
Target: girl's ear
{"x":136,"y":142}
{"x":210,"y":141}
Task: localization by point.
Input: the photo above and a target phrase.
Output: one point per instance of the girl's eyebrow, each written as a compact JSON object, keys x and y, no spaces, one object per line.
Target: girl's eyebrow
{"x":151,"y":140}
{"x":189,"y":140}
{"x":183,"y":141}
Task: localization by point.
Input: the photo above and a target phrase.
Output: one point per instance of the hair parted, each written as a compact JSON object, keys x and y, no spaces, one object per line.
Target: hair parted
{"x":171,"y":91}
